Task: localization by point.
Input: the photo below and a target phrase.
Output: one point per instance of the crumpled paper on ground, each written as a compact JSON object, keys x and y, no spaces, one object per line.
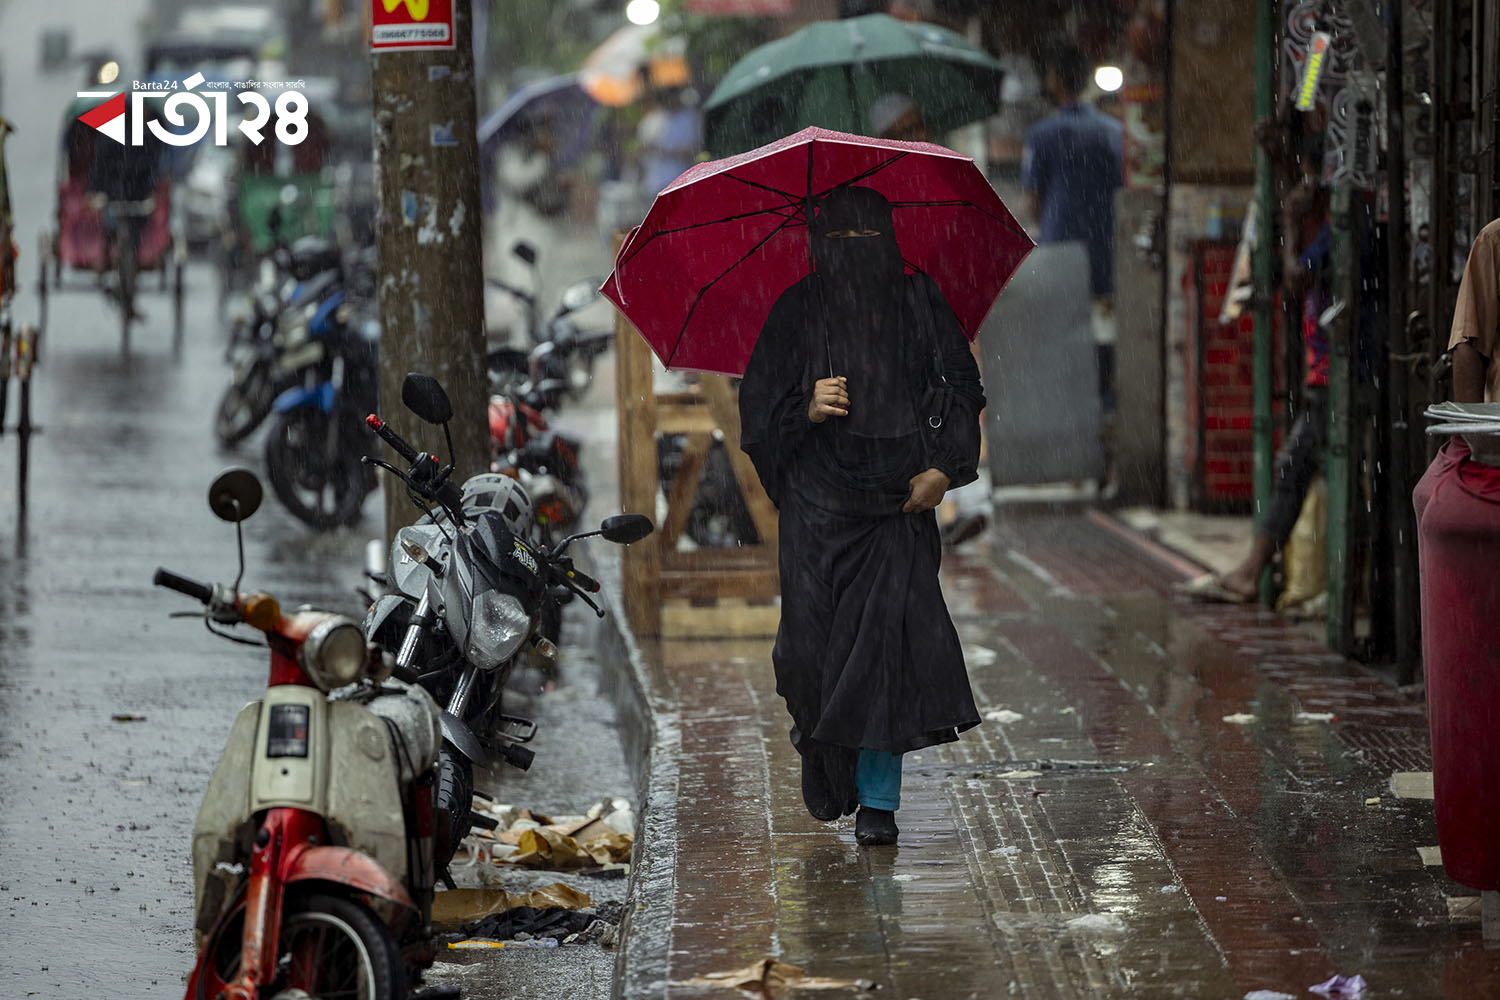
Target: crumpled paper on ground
{"x":1342,"y":986}
{"x":768,"y":974}
{"x":543,"y":847}
{"x":462,"y":906}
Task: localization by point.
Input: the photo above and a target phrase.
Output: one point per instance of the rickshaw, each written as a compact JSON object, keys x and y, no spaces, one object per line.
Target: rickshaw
{"x":91,"y":240}
{"x":278,"y":194}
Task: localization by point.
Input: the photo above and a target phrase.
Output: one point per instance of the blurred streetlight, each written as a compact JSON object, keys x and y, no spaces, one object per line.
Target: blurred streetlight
{"x":109,"y":72}
{"x":642,"y":11}
{"x":1109,"y":78}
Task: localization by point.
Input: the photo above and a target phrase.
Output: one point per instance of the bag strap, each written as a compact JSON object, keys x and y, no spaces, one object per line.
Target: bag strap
{"x":939,"y":396}
{"x":929,"y":328}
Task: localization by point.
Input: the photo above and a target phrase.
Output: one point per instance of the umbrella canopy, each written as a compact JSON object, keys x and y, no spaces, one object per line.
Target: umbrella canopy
{"x":831,"y":74}
{"x":558,"y":102}
{"x":612,"y":73}
{"x":699,"y":276}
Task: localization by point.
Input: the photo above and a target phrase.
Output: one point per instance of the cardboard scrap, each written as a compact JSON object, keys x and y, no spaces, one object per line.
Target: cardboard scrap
{"x":462,"y":906}
{"x":768,"y":974}
{"x":545,"y":847}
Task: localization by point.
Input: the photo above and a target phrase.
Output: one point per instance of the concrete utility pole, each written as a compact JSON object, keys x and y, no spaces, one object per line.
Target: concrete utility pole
{"x":428,"y":244}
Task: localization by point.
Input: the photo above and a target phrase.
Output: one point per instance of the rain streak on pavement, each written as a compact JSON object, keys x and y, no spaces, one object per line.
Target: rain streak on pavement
{"x":1165,"y":800}
{"x":95,"y":830}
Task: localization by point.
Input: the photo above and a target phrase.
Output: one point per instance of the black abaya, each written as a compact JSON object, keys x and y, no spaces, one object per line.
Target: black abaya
{"x":866,"y":655}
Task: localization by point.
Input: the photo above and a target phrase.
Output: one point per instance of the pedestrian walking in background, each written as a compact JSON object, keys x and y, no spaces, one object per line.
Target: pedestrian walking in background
{"x":1071,"y":164}
{"x":897,"y":116}
{"x":848,"y":360}
{"x":670,"y":137}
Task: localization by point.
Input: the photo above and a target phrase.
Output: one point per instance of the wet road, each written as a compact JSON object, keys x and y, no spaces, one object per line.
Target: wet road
{"x":1165,"y":800}
{"x":95,"y":877}
{"x":96,"y":889}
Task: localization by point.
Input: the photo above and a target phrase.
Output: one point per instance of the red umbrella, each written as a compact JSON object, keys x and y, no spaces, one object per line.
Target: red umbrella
{"x":700,"y":274}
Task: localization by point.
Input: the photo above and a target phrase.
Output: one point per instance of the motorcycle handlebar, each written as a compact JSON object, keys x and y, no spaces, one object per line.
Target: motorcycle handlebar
{"x":449,"y":494}
{"x":203,"y":592}
{"x":391,"y":438}
{"x":581,"y":579}
{"x":562,"y":568}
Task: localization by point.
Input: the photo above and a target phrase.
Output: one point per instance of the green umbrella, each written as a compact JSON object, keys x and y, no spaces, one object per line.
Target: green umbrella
{"x":831,"y":73}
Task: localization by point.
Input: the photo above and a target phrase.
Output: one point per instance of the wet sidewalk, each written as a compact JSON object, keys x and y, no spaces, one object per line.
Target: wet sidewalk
{"x":1166,"y":800}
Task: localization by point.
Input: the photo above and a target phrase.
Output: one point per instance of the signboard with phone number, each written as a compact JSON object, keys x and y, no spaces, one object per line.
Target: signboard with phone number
{"x":411,"y":24}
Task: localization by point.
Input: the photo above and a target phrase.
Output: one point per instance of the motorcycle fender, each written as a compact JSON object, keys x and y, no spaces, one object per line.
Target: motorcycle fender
{"x":457,"y":732}
{"x":380,"y":615}
{"x":363,"y":803}
{"x":301,"y":397}
{"x":221,"y":833}
{"x":345,"y":866}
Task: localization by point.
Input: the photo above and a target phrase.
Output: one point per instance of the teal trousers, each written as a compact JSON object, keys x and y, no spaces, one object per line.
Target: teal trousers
{"x":877,"y":777}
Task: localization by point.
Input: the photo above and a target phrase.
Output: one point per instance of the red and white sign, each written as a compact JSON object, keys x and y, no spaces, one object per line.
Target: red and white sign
{"x":411,"y":24}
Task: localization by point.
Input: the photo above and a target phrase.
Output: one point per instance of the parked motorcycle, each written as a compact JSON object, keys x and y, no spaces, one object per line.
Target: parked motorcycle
{"x":270,"y":344}
{"x":525,"y":446}
{"x":316,"y":443}
{"x":470,"y":590}
{"x":313,"y":848}
{"x":520,"y":346}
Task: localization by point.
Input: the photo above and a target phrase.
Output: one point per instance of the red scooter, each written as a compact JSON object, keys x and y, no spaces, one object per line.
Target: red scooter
{"x":313,"y":849}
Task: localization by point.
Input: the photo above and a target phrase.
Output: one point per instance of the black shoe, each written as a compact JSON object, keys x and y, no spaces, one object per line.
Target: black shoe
{"x":816,"y":794}
{"x":875,"y":827}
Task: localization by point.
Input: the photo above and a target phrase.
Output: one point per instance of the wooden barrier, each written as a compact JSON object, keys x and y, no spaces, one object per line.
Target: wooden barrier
{"x":706,"y":592}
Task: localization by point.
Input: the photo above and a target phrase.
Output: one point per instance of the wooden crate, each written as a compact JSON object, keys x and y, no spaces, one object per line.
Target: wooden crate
{"x":708,"y":592}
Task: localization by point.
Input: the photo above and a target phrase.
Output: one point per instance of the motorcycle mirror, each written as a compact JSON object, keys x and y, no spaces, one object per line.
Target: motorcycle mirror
{"x":235,"y":495}
{"x":622,"y":529}
{"x":424,"y":396}
{"x":525,"y":251}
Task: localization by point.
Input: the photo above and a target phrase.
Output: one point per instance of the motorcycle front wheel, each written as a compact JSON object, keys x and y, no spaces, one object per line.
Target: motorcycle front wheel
{"x":245,"y":403}
{"x":329,"y":947}
{"x":455,"y":794}
{"x":324,"y":491}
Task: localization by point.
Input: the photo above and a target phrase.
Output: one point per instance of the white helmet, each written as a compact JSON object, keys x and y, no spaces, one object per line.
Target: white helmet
{"x":491,"y":491}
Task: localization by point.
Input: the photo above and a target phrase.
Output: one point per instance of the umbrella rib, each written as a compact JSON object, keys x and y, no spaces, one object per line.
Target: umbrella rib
{"x":704,"y":290}
{"x":859,"y":177}
{"x":791,"y":198}
{"x":780,"y":211}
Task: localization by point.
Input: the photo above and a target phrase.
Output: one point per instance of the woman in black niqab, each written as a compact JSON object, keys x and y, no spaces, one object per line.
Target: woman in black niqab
{"x":859,"y":407}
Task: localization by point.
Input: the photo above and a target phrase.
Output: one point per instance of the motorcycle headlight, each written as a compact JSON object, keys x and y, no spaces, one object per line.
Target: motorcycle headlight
{"x":334,"y":653}
{"x":498,"y":627}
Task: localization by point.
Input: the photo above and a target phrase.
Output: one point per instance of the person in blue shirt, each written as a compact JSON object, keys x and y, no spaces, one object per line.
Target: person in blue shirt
{"x":1071,"y":164}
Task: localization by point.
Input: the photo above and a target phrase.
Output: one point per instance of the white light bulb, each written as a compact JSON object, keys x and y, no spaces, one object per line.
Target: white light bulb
{"x":642,"y":11}
{"x":1109,"y":78}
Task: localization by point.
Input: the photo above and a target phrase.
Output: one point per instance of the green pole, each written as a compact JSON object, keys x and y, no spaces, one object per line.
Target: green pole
{"x":1265,"y":199}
